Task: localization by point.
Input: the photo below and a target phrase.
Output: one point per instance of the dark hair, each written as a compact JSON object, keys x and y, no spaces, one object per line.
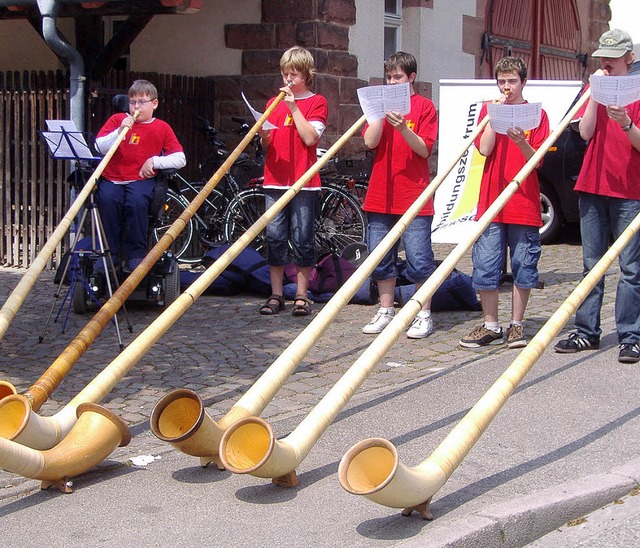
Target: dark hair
{"x":511,"y":64}
{"x":404,"y":61}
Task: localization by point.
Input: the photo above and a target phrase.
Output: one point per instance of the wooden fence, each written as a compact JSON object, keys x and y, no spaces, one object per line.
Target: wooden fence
{"x":34,"y":193}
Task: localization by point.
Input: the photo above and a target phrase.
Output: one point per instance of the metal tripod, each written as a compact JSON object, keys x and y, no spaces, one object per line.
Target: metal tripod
{"x":85,"y":268}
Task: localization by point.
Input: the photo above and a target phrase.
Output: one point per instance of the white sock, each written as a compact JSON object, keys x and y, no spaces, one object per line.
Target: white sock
{"x":493,"y":326}
{"x":424,"y":313}
{"x":388,"y":310}
{"x":513,"y":322}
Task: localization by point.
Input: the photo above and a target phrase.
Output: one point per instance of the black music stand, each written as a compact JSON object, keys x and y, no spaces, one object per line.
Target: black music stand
{"x":65,"y":142}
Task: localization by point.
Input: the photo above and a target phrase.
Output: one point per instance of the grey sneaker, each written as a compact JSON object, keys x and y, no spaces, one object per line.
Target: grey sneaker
{"x":481,"y":336}
{"x":420,"y":328}
{"x":515,"y":336}
{"x":378,"y":322}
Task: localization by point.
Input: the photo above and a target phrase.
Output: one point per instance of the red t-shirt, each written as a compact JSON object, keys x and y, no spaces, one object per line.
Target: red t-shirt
{"x":288,"y":158}
{"x":143,"y":141}
{"x":611,"y":166}
{"x":501,"y":167}
{"x":399,"y":175}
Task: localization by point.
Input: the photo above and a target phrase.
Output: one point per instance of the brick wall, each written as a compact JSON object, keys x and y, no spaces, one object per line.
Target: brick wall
{"x":321,"y":26}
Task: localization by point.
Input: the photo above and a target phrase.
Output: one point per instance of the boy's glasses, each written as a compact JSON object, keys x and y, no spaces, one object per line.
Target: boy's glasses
{"x":140,"y":103}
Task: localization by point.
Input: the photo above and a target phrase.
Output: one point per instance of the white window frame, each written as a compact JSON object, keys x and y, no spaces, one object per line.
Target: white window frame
{"x":393,"y":20}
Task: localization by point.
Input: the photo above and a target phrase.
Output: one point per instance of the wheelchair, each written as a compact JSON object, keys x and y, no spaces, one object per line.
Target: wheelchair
{"x":93,"y":288}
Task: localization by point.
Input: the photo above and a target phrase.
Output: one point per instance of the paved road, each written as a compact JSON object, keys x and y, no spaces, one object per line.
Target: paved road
{"x":564,"y":445}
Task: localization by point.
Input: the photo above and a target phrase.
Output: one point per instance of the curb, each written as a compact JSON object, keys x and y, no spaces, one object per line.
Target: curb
{"x":525,"y":519}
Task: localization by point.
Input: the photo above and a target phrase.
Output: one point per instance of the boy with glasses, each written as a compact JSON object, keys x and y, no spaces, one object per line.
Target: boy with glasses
{"x":126,"y":187}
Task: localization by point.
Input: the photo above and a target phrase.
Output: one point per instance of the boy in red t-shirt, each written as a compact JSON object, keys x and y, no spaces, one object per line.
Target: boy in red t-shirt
{"x":400,"y":174}
{"x":609,"y":200}
{"x":126,"y":188}
{"x":299,"y":121}
{"x":516,"y":225}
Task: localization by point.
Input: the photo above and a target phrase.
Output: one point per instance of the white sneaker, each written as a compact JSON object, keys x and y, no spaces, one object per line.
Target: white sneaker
{"x":420,"y":327}
{"x":382,"y":318}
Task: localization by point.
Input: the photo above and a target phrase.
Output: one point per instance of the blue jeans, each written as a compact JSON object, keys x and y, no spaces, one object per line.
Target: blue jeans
{"x":600,"y":218}
{"x":490,"y":253}
{"x":295,"y":223}
{"x":124,"y":210}
{"x":417,"y":244}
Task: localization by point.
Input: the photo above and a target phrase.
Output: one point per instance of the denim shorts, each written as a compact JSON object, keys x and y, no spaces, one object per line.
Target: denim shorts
{"x":294,"y":223}
{"x":490,"y":252}
{"x":417,"y":245}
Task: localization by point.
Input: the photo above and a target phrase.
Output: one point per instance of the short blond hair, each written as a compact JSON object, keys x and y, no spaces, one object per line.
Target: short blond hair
{"x":300,"y":59}
{"x":140,"y":88}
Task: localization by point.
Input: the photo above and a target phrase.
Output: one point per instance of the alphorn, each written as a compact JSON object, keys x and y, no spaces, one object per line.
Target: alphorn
{"x":40,"y":391}
{"x":249,"y":446}
{"x":19,"y":294}
{"x":372,"y":467}
{"x":82,"y":449}
{"x":20,"y":424}
{"x":180,"y":419}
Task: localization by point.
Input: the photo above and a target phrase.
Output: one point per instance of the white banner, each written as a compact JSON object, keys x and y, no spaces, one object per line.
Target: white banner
{"x":460,"y":103}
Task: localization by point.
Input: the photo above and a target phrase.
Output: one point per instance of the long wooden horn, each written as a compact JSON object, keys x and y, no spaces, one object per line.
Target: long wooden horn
{"x":21,"y":424}
{"x":40,"y":391}
{"x":372,"y":467}
{"x":180,"y":418}
{"x":19,"y":294}
{"x":250,"y":447}
{"x":95,"y":435}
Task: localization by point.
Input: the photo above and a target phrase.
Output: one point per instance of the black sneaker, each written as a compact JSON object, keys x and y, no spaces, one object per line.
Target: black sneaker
{"x":576,"y":343}
{"x":629,"y":353}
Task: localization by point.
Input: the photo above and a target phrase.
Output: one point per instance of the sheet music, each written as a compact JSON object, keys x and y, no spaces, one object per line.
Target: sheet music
{"x":525,"y":116}
{"x":256,"y":115}
{"x":375,"y":101}
{"x":58,"y":125}
{"x":615,"y":90}
{"x":66,"y":142}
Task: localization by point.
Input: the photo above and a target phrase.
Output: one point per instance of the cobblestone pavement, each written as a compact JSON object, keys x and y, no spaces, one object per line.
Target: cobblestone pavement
{"x":221,"y":346}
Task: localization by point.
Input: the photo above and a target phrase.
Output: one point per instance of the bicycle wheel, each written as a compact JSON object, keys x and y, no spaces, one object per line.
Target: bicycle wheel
{"x":243,"y":211}
{"x":340,"y":221}
{"x":210,"y":222}
{"x":181,"y":247}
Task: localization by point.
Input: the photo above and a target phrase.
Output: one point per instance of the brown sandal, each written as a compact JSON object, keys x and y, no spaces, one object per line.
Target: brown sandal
{"x":303,"y":309}
{"x":273,"y":305}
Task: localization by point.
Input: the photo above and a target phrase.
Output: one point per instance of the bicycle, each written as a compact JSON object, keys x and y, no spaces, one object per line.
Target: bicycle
{"x":227,"y":214}
{"x":207,"y":224}
{"x":339,"y":222}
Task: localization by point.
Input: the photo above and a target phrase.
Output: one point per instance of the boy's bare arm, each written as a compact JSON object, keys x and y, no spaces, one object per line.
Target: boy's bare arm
{"x":519,"y":137}
{"x":487,"y":141}
{"x":373,"y":134}
{"x":307,"y":132}
{"x":415,"y":142}
{"x":587,"y":125}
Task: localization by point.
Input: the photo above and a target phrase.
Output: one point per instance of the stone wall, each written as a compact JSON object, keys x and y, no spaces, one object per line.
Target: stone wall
{"x":321,"y":26}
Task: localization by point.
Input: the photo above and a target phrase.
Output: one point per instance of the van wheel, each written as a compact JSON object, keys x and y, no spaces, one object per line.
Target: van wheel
{"x":551,"y":217}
